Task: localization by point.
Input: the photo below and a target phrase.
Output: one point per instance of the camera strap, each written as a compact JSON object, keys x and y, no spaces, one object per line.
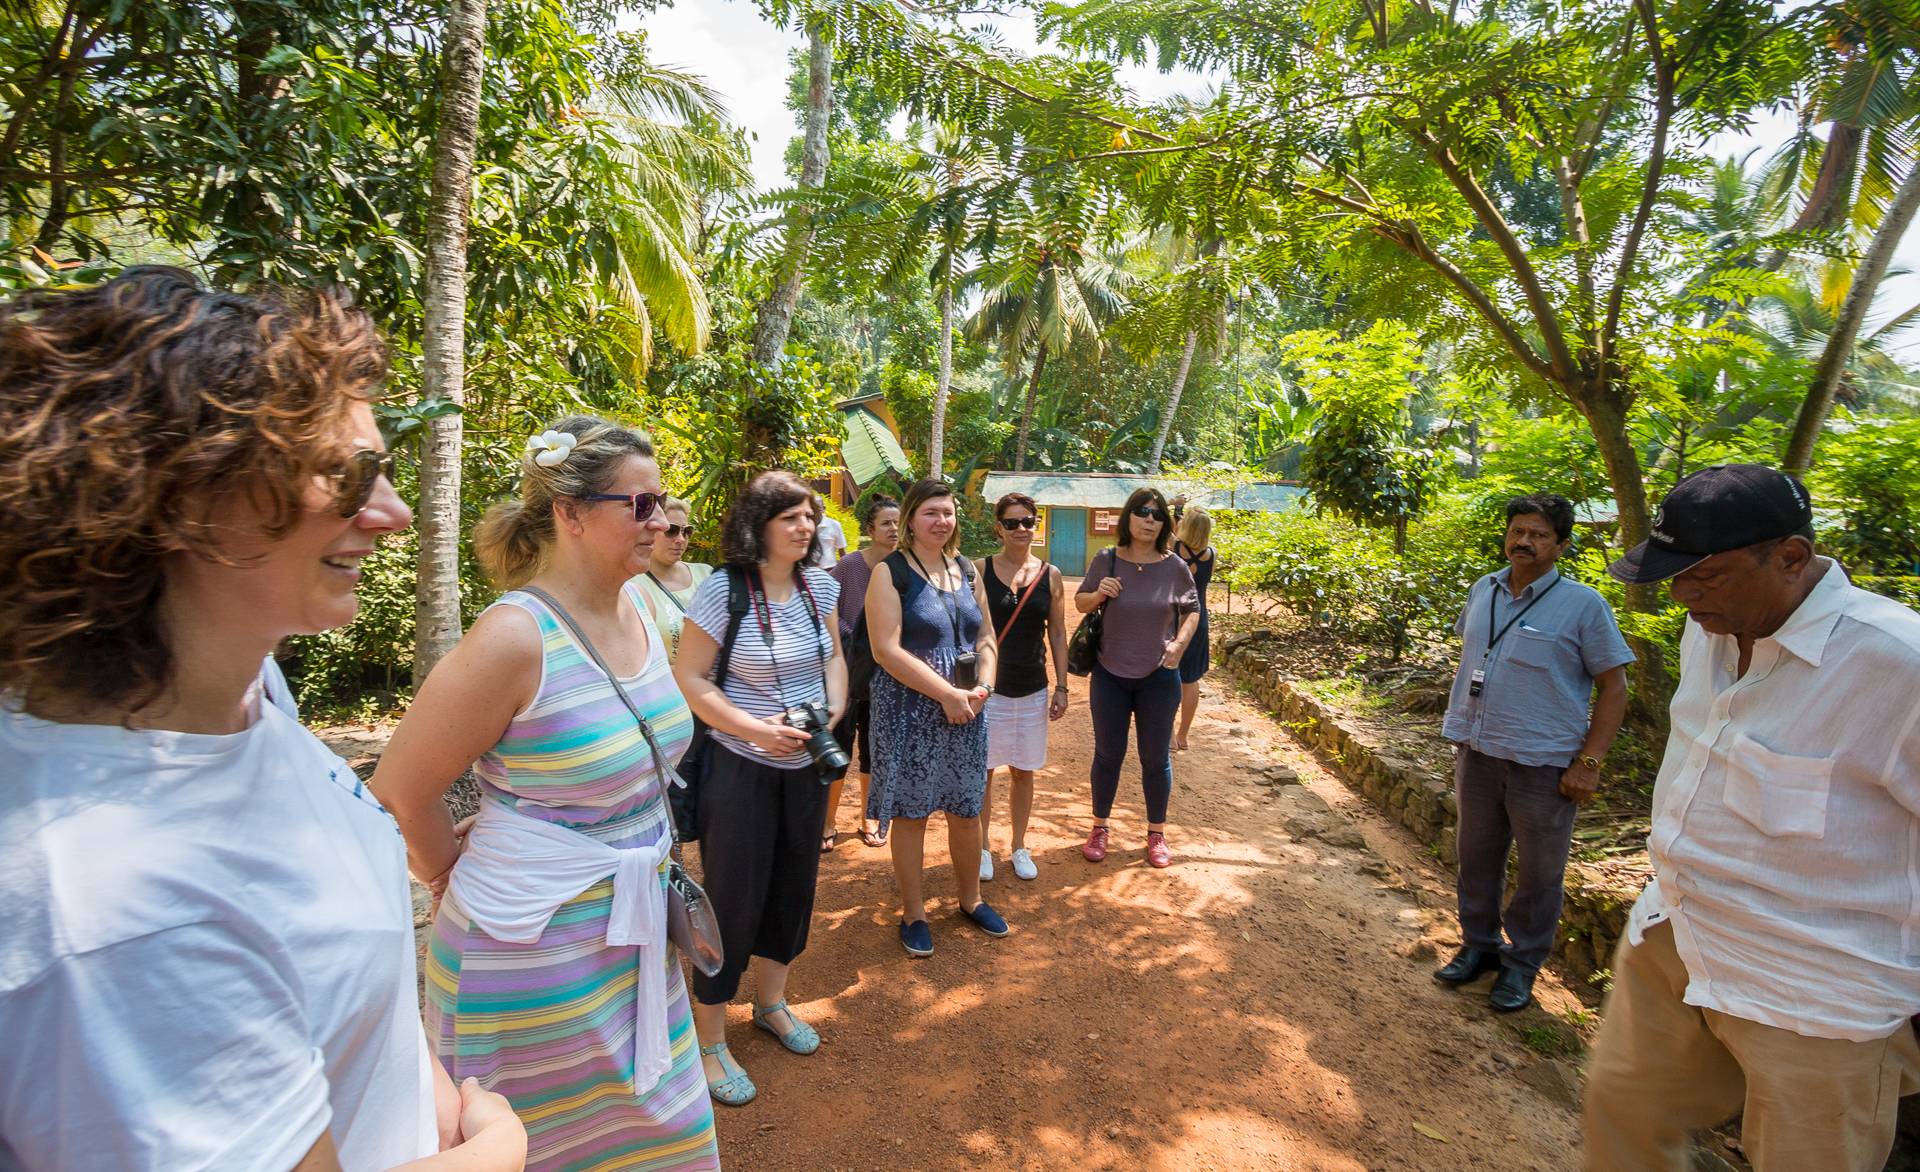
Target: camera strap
{"x":763,"y":615}
{"x":946,"y":602}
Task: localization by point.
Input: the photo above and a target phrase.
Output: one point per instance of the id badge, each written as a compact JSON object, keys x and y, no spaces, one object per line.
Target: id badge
{"x":1477,"y":682}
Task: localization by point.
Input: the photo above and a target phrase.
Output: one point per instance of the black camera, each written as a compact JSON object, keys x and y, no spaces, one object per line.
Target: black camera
{"x":828,"y":757}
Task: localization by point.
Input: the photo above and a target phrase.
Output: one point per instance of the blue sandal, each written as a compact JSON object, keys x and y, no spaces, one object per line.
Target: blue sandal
{"x":802,"y":1039}
{"x":735,"y":1090}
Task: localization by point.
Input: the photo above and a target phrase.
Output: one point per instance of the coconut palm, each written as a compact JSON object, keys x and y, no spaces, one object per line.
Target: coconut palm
{"x":1044,"y":291}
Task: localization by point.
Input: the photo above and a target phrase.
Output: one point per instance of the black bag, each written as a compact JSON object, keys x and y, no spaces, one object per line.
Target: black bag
{"x":691,"y":923}
{"x":1083,"y":650}
{"x":857,"y":650}
{"x":693,"y":763}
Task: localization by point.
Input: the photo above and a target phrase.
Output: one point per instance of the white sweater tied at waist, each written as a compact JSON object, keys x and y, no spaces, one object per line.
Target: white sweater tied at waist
{"x":516,"y":872}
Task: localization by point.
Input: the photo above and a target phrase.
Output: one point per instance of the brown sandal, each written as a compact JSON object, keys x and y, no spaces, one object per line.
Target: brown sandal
{"x":828,"y":841}
{"x":873,"y":837}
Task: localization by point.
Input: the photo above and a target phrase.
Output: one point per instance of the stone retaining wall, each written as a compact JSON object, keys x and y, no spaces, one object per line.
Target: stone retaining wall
{"x":1596,"y":911}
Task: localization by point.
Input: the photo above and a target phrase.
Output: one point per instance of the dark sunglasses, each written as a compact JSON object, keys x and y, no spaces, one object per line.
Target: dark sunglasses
{"x":1150,"y":511}
{"x":643,"y":503}
{"x":354,"y":483}
{"x":1012,"y":523}
{"x":677,"y":531}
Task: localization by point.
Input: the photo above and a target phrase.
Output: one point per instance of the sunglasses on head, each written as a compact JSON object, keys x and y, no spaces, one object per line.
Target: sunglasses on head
{"x":1150,"y":511}
{"x":1012,"y":523}
{"x":678,"y":531}
{"x":354,"y":483}
{"x":642,"y":503}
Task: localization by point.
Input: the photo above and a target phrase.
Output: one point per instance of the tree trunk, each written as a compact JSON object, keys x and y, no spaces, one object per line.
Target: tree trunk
{"x":1173,"y":402}
{"x":1846,"y":326}
{"x":1026,"y":413}
{"x":443,"y":338}
{"x":775,"y":318}
{"x":1607,"y":418}
{"x":937,"y":440}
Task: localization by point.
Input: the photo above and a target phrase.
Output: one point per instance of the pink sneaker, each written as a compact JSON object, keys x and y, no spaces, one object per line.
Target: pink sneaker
{"x":1157,"y":853}
{"x":1095,"y":848}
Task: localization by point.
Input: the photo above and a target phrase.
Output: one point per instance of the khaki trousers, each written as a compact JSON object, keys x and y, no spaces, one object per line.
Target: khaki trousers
{"x":1664,"y":1069}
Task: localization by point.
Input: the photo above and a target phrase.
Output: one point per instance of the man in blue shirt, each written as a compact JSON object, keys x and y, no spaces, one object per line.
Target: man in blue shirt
{"x":1530,"y":737}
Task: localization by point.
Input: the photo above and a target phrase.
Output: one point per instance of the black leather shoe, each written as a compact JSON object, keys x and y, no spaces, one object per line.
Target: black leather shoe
{"x":1467,"y":964}
{"x":1512,"y":990}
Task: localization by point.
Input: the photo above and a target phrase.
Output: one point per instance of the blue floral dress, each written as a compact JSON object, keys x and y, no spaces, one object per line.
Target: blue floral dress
{"x":922,"y":764}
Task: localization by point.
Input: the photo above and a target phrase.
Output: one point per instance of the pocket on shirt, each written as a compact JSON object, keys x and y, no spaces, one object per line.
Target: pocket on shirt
{"x":1785,"y":796}
{"x":1534,"y":648}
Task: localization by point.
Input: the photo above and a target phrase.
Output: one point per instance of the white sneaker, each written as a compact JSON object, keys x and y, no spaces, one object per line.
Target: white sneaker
{"x":1023,"y":865}
{"x":986,"y":866}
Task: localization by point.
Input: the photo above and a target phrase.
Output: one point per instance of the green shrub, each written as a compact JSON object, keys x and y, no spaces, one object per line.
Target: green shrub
{"x":1901,"y":589}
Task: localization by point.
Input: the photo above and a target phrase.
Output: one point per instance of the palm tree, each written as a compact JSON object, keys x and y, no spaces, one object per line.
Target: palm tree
{"x":675,"y":149}
{"x":444,"y":334}
{"x":775,"y":318}
{"x":1043,"y":293}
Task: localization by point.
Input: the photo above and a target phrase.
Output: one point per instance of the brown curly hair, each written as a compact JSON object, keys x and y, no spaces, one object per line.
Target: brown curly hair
{"x":127,"y":409}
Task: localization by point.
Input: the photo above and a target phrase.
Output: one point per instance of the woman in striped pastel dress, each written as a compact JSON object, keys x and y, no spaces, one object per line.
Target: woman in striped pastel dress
{"x":545,"y":979}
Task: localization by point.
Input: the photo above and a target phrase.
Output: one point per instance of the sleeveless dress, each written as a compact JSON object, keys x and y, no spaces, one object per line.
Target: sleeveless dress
{"x":551,"y":1025}
{"x":669,"y":607}
{"x":1198,"y":657}
{"x":922,"y":764}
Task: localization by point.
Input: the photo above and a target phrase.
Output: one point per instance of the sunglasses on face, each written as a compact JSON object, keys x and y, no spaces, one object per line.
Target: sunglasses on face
{"x":675,"y":532}
{"x":642,"y":503}
{"x":1012,"y":523}
{"x":1151,"y":513}
{"x":354,"y":483}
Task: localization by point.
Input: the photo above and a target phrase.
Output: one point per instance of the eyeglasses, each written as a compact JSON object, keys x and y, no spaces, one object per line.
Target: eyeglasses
{"x":354,"y":483}
{"x":678,"y":531}
{"x":643,"y":503}
{"x":1012,"y":523}
{"x":1150,"y":512}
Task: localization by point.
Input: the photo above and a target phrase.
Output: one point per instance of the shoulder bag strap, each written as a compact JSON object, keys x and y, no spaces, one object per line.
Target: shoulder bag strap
{"x":668,"y":775}
{"x":671,"y":597}
{"x":1046,"y":571}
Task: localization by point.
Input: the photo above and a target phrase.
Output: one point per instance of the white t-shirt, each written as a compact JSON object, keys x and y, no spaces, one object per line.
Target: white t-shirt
{"x":833,"y":543}
{"x":208,"y":958}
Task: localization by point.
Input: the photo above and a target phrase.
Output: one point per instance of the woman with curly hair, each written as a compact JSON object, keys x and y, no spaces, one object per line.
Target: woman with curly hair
{"x":549,"y":977}
{"x":209,"y":959}
{"x":762,"y":799}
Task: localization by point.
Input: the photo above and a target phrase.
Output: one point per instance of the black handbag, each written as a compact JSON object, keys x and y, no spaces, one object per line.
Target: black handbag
{"x":691,"y":923}
{"x":857,"y":650}
{"x":1083,"y":650}
{"x":694,"y":762}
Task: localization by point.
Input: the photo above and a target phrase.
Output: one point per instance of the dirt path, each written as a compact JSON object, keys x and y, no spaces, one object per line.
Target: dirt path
{"x":1264,"y":1003}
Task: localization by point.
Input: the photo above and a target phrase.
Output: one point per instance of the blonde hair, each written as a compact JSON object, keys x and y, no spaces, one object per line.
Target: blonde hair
{"x":513,"y":539}
{"x":1196,"y":528}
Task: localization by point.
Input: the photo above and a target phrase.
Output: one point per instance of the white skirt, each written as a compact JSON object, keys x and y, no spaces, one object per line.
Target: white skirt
{"x":1017,"y":731}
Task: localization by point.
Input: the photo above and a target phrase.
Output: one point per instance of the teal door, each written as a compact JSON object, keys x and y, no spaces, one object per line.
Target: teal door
{"x":1067,"y":540}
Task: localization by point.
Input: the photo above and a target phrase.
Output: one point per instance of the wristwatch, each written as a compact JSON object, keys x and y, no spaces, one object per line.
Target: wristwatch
{"x":1590,"y":761}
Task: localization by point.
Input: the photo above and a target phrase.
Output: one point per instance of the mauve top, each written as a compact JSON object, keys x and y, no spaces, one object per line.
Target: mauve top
{"x":853,"y":573}
{"x":1153,"y":599}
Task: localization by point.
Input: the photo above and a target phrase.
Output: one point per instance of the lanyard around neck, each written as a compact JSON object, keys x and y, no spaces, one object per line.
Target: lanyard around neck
{"x":953,"y":612}
{"x":1493,"y":597}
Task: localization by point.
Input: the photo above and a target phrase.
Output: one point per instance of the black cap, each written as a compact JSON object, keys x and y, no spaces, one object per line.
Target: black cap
{"x":1728,"y":506}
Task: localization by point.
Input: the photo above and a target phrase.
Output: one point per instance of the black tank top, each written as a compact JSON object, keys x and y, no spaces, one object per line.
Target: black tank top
{"x":1023,"y":653}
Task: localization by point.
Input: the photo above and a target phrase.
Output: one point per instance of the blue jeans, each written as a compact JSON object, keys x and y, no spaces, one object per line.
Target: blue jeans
{"x":1150,"y":703}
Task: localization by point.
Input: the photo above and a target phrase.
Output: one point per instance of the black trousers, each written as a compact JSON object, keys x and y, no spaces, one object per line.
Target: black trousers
{"x":856,"y":725}
{"x":759,"y":857}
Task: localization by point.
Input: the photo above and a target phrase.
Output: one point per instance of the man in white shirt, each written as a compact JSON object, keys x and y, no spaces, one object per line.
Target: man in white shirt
{"x":831,"y":539}
{"x":1772,"y":965}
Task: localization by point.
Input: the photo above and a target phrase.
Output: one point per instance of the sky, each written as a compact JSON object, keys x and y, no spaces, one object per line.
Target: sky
{"x":745,"y":58}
